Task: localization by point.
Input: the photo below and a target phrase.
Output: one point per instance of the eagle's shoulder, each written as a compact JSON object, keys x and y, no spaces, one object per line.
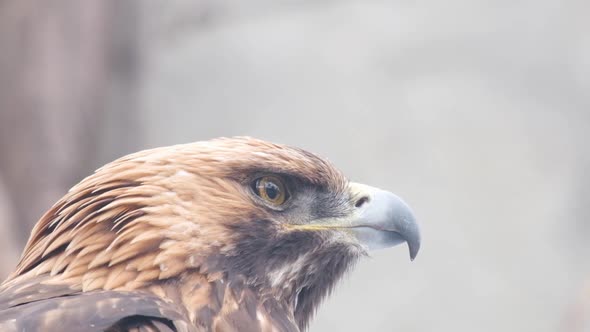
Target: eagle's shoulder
{"x":34,"y":305}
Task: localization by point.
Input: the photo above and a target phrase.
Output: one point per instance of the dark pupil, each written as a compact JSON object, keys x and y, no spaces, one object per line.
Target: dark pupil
{"x":272,"y":190}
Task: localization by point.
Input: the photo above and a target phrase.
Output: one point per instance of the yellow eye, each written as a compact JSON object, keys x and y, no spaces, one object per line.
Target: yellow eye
{"x":271,"y":189}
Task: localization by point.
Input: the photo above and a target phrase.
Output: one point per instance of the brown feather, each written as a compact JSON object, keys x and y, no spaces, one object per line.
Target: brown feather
{"x":161,"y":231}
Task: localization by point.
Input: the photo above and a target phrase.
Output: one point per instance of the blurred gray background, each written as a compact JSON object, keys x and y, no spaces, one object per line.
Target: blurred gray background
{"x":476,"y":112}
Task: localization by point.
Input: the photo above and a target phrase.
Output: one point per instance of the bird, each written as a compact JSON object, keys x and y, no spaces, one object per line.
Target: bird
{"x":229,"y":234}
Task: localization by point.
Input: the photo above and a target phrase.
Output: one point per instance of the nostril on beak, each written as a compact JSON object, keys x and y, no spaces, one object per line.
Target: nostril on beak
{"x":361,"y":201}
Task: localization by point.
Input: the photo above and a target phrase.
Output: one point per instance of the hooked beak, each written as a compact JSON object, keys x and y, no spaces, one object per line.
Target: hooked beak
{"x":382,"y":220}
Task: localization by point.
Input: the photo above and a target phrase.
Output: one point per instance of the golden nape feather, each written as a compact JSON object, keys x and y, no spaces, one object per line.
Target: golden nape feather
{"x":232,"y":234}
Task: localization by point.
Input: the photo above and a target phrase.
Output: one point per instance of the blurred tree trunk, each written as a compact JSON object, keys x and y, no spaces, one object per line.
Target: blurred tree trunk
{"x":64,"y":66}
{"x":8,"y":246}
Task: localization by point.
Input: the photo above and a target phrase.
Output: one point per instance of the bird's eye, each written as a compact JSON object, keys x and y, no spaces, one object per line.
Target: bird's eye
{"x":272,"y":189}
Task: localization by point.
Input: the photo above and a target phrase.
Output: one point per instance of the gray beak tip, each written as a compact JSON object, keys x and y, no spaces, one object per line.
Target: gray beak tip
{"x":413,"y":240}
{"x":413,"y":251}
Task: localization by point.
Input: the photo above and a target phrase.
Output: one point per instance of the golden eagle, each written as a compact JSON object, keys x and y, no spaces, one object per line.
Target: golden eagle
{"x":232,"y":234}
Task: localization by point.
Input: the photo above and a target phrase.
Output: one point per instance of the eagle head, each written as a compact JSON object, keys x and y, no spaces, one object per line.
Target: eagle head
{"x":230,"y":232}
